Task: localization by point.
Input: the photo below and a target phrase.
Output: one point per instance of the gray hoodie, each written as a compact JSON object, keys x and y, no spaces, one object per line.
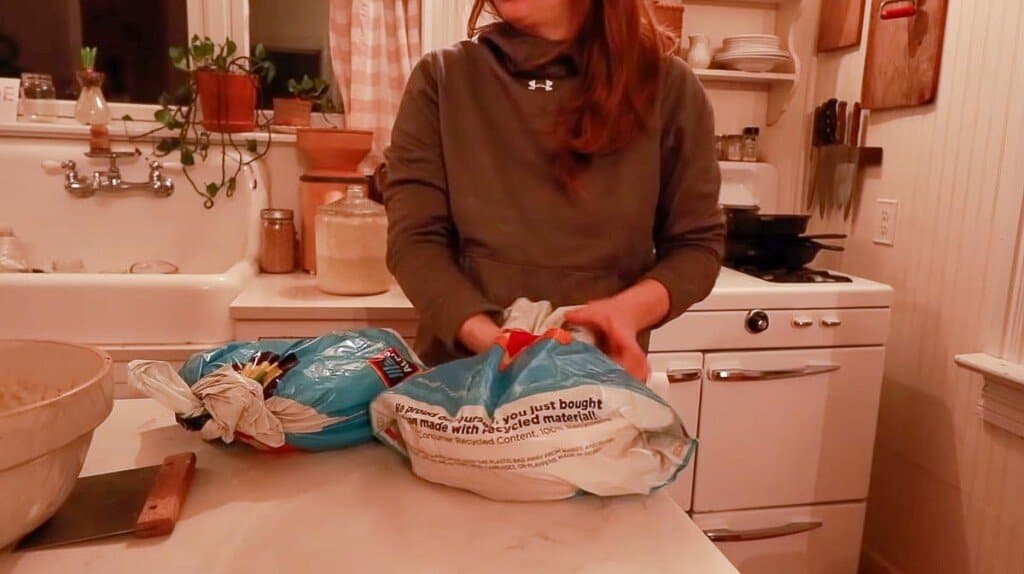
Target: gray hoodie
{"x":478,"y":219}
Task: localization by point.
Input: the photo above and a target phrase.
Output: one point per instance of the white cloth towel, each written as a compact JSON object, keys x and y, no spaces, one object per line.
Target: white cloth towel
{"x":234,"y":402}
{"x":538,"y":317}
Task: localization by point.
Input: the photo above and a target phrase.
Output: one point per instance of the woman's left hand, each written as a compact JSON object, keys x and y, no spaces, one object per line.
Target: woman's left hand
{"x":616,"y":321}
{"x":616,"y":333}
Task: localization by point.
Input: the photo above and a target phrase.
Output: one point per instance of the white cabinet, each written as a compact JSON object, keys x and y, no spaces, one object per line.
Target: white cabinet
{"x":787,"y":427}
{"x":822,"y":539}
{"x":677,"y":378}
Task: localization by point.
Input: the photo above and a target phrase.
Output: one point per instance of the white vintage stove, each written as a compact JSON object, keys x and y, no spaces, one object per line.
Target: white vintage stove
{"x":780,"y":383}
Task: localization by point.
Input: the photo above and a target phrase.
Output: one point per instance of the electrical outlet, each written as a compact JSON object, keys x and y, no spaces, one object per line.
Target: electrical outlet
{"x":885,"y":232}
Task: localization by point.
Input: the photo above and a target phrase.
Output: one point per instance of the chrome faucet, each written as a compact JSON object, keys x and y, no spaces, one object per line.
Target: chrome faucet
{"x":110,"y":180}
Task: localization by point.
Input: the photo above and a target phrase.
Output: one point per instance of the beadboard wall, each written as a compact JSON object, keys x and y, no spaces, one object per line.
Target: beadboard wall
{"x":947,"y":491}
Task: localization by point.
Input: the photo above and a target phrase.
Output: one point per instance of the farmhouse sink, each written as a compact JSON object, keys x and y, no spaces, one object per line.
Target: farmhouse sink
{"x":214,"y":250}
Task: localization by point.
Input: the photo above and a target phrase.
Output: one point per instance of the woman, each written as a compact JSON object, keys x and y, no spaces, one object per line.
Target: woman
{"x":560,"y":156}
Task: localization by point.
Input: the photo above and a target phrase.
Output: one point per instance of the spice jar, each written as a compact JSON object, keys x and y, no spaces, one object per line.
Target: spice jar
{"x":734,"y":147}
{"x":351,"y":241}
{"x":277,"y":241}
{"x":750,"y":148}
{"x":38,"y":98}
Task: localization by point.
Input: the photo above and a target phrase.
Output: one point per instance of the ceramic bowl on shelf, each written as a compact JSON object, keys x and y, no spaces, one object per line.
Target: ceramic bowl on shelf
{"x":755,"y":64}
{"x":751,"y":58}
{"x":751,"y":40}
{"x":52,"y":397}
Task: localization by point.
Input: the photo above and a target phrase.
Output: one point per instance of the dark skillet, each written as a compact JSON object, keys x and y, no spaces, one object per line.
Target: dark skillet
{"x":748,"y":223}
{"x":763,"y":253}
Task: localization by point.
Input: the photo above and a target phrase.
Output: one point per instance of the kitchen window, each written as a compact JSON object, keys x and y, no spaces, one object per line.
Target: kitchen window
{"x":140,"y":33}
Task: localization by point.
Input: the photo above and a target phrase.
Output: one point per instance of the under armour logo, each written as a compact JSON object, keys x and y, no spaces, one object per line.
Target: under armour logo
{"x":546,"y":85}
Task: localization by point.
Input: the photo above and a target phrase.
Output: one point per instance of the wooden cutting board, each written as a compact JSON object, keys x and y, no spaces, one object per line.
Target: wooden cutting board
{"x":840,"y":25}
{"x":904,"y":57}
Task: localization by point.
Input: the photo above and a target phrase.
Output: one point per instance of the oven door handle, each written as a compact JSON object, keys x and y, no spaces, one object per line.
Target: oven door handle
{"x":683,"y":375}
{"x":743,"y":375}
{"x":727,"y":535}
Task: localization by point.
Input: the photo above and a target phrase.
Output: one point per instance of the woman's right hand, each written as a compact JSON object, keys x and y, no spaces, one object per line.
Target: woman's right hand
{"x":478,"y":333}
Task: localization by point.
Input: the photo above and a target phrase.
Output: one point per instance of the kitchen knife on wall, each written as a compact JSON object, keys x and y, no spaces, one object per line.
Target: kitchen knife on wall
{"x":817,"y":140}
{"x":841,"y":110}
{"x":143,"y":501}
{"x":855,"y":121}
{"x":828,"y":156}
{"x":842,"y":158}
{"x":849,"y":184}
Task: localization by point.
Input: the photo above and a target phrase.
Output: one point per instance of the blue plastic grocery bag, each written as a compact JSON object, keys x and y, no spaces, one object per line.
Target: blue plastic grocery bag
{"x":534,"y":418}
{"x":310,"y":394}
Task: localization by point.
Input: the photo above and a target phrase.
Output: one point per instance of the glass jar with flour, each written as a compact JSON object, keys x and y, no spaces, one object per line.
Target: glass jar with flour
{"x":351,"y":243}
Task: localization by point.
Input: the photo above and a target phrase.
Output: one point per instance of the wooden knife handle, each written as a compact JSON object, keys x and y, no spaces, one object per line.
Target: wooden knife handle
{"x":170,"y":488}
{"x":841,"y":125}
{"x":855,"y":125}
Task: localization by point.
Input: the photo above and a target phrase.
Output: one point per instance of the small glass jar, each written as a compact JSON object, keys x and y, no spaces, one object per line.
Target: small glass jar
{"x":750,"y":148}
{"x":277,"y":241}
{"x":351,"y":243}
{"x":720,"y":147}
{"x":734,"y":147}
{"x":38,"y":98}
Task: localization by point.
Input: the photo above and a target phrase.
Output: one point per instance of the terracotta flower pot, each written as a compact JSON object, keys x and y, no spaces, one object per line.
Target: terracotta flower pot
{"x":228,"y":101}
{"x":292,"y":112}
{"x":334,"y":149}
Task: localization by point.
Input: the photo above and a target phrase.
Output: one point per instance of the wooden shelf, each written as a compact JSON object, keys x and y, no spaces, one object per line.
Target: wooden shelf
{"x":733,"y":76}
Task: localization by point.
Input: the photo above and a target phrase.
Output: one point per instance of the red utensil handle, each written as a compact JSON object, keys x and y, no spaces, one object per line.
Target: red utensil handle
{"x":896,"y":9}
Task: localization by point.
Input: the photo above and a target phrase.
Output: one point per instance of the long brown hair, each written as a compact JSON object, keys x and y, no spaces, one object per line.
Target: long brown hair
{"x":621,"y":46}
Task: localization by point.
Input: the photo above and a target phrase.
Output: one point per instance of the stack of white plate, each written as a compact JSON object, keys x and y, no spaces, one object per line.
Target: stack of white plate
{"x":752,"y":53}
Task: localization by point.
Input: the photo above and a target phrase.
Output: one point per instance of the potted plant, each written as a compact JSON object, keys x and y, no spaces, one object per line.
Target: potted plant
{"x":223,"y":85}
{"x":226,"y":83}
{"x":296,"y":111}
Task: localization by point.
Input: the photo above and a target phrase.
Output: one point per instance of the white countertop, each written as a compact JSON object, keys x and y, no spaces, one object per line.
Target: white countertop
{"x":295,"y":297}
{"x":361,"y":510}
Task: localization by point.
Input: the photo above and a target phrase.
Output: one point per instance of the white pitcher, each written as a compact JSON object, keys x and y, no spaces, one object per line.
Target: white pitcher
{"x":699,"y":56}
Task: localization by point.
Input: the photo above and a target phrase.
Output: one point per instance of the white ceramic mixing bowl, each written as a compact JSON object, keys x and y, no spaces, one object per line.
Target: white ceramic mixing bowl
{"x":52,"y":397}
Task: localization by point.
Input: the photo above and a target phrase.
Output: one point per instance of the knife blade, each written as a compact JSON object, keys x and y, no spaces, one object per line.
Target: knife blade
{"x":144,"y":501}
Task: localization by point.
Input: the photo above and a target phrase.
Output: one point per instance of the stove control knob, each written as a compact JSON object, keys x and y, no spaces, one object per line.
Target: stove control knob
{"x":757,"y":321}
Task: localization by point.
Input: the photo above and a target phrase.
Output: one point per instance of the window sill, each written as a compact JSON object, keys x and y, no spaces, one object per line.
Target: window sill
{"x":122,"y":130}
{"x":119,"y":130}
{"x":1002,"y":398}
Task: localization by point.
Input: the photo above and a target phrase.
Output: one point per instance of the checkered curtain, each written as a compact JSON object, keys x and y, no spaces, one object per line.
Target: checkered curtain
{"x":374,"y":46}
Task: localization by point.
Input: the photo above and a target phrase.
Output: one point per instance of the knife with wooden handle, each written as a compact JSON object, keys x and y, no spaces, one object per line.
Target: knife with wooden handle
{"x":855,"y":127}
{"x":855,"y":119}
{"x":841,"y":123}
{"x":828,"y":156}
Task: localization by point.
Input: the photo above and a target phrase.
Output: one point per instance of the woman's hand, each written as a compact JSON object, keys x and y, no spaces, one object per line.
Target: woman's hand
{"x":617,"y":320}
{"x":478,"y":333}
{"x":615,"y":332}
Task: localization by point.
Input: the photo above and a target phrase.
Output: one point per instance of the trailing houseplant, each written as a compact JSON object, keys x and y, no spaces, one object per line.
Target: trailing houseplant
{"x":296,"y":111}
{"x":223,"y":85}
